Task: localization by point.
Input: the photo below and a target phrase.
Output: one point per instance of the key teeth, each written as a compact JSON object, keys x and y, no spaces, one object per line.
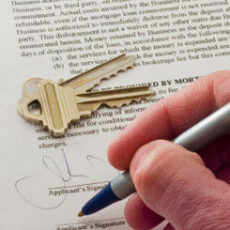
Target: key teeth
{"x":113,"y":74}
{"x":137,"y":100}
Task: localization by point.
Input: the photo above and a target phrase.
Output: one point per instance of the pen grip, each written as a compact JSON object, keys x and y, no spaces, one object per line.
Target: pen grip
{"x":123,"y":186}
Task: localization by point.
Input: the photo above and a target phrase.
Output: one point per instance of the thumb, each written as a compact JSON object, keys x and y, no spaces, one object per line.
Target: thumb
{"x":174,"y":183}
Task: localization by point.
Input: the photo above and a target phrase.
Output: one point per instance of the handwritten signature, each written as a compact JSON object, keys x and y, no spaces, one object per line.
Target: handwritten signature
{"x":54,"y":169}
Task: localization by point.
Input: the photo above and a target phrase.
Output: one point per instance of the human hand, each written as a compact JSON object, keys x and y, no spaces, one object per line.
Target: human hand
{"x":190,"y":190}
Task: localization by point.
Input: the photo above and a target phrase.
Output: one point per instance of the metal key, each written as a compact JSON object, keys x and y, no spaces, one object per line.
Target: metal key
{"x":69,"y":101}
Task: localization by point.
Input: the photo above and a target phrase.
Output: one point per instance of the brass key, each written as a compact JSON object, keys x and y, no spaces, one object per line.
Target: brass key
{"x":69,"y":101}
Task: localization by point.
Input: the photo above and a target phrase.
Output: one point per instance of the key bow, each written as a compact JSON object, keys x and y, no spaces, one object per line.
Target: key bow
{"x":57,"y":107}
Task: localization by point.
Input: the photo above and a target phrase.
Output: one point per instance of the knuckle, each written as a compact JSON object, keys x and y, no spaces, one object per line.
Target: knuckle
{"x":160,"y":156}
{"x":162,"y":164}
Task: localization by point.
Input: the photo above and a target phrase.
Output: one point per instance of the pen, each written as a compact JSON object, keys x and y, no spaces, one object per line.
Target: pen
{"x":194,"y":139}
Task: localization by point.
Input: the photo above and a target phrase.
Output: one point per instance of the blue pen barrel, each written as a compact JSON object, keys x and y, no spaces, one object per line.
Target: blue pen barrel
{"x":118,"y":189}
{"x":103,"y":199}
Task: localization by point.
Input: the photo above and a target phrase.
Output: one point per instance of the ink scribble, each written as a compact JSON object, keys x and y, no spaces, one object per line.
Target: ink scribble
{"x":63,"y":177}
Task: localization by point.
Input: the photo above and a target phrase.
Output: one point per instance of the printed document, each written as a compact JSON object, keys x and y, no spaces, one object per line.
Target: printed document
{"x":45,"y":180}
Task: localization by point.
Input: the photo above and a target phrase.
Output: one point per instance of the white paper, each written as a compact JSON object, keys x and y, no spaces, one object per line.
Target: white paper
{"x":45,"y":181}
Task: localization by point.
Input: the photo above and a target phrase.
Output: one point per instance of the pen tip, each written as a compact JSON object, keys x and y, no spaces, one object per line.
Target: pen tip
{"x":80,"y":214}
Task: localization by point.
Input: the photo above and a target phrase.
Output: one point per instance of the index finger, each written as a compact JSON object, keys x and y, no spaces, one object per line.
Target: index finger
{"x":171,"y":116}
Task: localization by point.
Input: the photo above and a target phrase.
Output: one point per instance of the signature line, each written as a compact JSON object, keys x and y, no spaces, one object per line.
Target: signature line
{"x":74,"y":186}
{"x":89,"y":222}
